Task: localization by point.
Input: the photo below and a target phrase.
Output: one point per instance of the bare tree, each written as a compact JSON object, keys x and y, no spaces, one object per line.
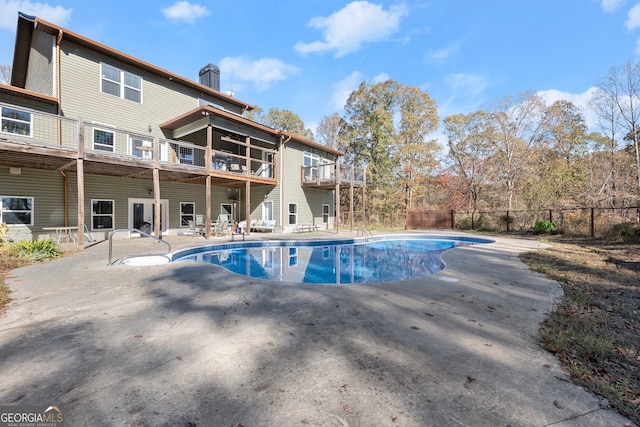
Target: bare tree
{"x":328,"y":131}
{"x":5,"y":74}
{"x":622,"y":86}
{"x":516,"y":127}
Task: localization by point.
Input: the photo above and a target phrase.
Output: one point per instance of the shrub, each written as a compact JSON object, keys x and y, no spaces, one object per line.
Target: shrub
{"x":4,"y":230}
{"x":626,"y":229}
{"x":544,"y":227}
{"x":36,"y":250}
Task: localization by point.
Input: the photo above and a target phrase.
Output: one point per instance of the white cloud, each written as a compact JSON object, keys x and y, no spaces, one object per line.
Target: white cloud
{"x":183,"y":11}
{"x":9,"y":16}
{"x":238,"y":72}
{"x":382,"y":77}
{"x":580,"y":100}
{"x":472,"y":85}
{"x":442,"y":54}
{"x":633,"y":18}
{"x":610,"y":6}
{"x":343,"y":89}
{"x":346,"y":30}
{"x":467,"y":93}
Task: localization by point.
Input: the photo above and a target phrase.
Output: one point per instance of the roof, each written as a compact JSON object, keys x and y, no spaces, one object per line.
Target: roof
{"x":27,"y":94}
{"x":26,"y":25}
{"x":197,"y":113}
{"x":310,"y":143}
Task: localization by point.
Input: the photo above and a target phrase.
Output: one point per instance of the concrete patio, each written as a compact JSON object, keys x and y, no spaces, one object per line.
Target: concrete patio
{"x":190,"y":344}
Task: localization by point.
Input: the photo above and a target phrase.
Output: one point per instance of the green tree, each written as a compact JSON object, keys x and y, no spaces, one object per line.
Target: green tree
{"x":468,"y":150}
{"x":387,"y":126}
{"x":284,"y":120}
{"x":287,"y":121}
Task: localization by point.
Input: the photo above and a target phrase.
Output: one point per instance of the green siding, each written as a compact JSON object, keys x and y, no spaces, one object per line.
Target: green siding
{"x":41,"y":64}
{"x":309,"y":200}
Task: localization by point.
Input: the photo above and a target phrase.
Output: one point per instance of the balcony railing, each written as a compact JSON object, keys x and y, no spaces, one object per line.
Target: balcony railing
{"x":331,"y":174}
{"x":36,"y":128}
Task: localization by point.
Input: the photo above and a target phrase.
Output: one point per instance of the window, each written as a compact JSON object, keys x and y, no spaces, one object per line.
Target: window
{"x":310,"y":161}
{"x":121,"y":83}
{"x":293,"y":214}
{"x":141,"y":147}
{"x":16,"y":122}
{"x":325,"y":214}
{"x":293,"y":257}
{"x":16,"y":210}
{"x":102,"y":214}
{"x":267,"y":165}
{"x":187,"y":211}
{"x":103,"y":139}
{"x":267,"y":210}
{"x":185,"y":155}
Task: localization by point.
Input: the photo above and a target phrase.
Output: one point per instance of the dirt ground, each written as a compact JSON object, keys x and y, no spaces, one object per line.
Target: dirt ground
{"x":595,"y":329}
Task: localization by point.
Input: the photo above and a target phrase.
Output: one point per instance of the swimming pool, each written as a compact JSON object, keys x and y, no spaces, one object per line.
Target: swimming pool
{"x":373,"y":260}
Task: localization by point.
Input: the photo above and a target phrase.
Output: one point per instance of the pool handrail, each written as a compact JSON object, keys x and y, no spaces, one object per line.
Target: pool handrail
{"x":135,"y":230}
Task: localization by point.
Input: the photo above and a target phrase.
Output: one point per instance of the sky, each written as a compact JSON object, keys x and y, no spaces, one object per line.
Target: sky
{"x":307,"y":56}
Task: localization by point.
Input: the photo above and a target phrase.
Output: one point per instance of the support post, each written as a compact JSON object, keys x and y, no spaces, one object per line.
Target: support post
{"x":156,"y":188}
{"x":247,"y":207}
{"x":207,"y":195}
{"x":80,"y":179}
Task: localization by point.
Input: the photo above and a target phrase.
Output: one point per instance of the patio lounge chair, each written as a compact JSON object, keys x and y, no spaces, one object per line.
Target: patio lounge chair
{"x":264,"y":226}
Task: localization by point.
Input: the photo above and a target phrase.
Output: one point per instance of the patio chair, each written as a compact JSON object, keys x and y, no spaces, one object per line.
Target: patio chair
{"x":193,"y":230}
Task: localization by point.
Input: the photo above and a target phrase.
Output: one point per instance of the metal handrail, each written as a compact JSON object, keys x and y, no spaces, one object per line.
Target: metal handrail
{"x":365,"y":233}
{"x":131,"y":230}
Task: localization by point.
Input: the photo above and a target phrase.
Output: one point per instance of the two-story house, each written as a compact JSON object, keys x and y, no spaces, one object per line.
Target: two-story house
{"x":96,"y":139}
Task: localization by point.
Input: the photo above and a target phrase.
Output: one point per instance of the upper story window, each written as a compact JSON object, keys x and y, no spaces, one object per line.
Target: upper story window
{"x":122,"y":84}
{"x":310,"y":161}
{"x":103,"y":140}
{"x":16,"y":121}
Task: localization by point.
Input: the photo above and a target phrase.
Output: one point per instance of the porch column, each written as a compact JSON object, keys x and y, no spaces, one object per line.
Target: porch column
{"x":156,"y":187}
{"x":207,"y":196}
{"x":247,"y":206}
{"x":364,"y":191}
{"x":337,"y":202}
{"x":80,"y":179}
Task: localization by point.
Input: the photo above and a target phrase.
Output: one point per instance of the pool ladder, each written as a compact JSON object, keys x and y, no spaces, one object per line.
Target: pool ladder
{"x":367,"y":234}
{"x":135,"y":230}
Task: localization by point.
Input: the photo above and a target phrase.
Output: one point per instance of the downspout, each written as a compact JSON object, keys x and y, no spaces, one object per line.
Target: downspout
{"x":57,"y":69}
{"x":65,"y":199}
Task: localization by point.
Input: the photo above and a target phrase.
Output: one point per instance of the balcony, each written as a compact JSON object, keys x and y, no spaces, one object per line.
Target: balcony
{"x":331,"y":174}
{"x":30,"y":138}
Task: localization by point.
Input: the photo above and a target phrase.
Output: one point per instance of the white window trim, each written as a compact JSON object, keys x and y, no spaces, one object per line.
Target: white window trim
{"x":182,"y":214}
{"x":112,"y":214}
{"x":266,"y":211}
{"x":289,"y":213}
{"x":102,"y":129}
{"x":145,"y":142}
{"x":121,"y":83}
{"x":328,"y":214}
{"x":3,"y":118}
{"x":3,"y":210}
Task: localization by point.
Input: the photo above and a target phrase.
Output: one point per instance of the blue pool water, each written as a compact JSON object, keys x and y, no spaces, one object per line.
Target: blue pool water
{"x":381,"y":259}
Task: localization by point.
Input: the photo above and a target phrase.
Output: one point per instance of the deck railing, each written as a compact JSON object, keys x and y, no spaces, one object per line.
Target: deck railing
{"x":331,"y":174}
{"x":35,"y":127}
